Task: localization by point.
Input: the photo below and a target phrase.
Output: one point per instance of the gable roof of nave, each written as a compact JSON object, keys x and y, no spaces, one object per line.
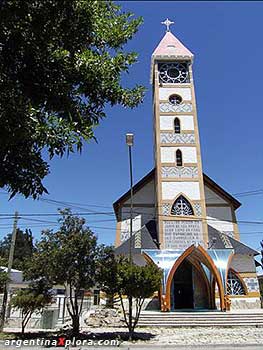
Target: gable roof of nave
{"x":151,"y":176}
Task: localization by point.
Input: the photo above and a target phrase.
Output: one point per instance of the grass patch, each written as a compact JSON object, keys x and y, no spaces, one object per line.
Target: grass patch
{"x":7,"y":336}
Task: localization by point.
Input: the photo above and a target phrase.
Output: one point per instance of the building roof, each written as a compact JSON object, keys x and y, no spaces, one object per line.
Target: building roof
{"x":170,"y":48}
{"x":16,"y":276}
{"x":140,"y":184}
{"x":220,"y":191}
{"x":151,"y":175}
{"x":149,"y":241}
{"x":219,"y":240}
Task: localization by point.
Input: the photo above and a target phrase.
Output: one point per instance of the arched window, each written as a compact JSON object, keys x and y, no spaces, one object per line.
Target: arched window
{"x":234,"y":285}
{"x":182,"y":207}
{"x":179,"y":158}
{"x":177,"y":126}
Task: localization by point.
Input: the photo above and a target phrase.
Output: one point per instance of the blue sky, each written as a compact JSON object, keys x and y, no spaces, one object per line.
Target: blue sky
{"x":226,"y":38}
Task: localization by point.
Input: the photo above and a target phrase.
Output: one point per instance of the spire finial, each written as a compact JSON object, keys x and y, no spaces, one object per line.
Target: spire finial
{"x":167,"y":23}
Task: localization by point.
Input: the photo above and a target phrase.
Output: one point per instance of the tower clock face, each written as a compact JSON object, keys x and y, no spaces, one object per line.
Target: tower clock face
{"x":174,"y":73}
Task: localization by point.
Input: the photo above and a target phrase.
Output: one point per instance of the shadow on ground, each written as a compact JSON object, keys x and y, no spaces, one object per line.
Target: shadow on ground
{"x":111,"y":335}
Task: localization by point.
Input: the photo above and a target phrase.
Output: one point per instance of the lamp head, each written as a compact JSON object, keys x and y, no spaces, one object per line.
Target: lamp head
{"x":129,"y":139}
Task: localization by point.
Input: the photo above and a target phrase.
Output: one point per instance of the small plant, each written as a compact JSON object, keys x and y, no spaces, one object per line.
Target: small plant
{"x":31,"y":300}
{"x":119,"y":276}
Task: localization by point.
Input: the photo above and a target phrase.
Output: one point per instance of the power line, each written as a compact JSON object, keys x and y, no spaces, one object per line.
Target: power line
{"x":29,"y":215}
{"x":54,"y":214}
{"x":73,"y":204}
{"x":37,"y":220}
{"x":84,"y":206}
{"x":204,"y":219}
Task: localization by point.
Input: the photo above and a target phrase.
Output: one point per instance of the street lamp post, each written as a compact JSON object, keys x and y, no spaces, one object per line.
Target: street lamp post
{"x":129,"y":142}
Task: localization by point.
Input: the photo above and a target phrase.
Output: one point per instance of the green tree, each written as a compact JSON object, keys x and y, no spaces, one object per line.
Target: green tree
{"x":67,"y":257}
{"x":31,"y":300}
{"x":128,"y":280}
{"x":107,"y":272}
{"x":61,"y":63}
{"x":3,"y":275}
{"x":24,"y":248}
{"x":3,"y":279}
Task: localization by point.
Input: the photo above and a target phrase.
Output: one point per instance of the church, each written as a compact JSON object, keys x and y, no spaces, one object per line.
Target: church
{"x":182,"y":220}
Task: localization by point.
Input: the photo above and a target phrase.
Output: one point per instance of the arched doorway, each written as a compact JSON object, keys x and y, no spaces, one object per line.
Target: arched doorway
{"x":182,"y":296}
{"x":190,"y":289}
{"x":193,"y":262}
{"x":208,"y":268}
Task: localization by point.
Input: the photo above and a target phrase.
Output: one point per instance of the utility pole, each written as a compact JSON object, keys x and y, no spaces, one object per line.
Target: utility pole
{"x":261,"y":243}
{"x":129,"y":142}
{"x":9,"y":268}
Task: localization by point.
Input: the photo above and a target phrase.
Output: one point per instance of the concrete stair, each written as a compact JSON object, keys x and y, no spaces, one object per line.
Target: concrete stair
{"x":244,"y":318}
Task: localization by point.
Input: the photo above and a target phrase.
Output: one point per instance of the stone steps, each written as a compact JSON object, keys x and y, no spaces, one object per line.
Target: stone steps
{"x":201,"y":319}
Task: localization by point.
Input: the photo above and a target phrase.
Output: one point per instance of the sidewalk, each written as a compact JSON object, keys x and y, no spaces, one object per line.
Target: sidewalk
{"x":186,"y":338}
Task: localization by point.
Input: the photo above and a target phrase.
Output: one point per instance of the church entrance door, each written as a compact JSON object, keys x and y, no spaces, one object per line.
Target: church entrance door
{"x":183,"y":295}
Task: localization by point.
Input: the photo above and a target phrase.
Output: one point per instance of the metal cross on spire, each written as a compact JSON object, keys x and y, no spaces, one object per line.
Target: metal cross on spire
{"x":167,"y":23}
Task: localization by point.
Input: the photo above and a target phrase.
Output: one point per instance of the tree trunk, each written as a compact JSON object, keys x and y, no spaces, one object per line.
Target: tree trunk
{"x":23,"y":329}
{"x":75,"y":325}
{"x":25,"y":319}
{"x":110,"y":301}
{"x":3,"y":309}
{"x":131,"y":332}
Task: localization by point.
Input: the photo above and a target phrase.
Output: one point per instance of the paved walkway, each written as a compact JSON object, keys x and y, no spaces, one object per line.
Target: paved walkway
{"x":230,"y":337}
{"x":145,"y":347}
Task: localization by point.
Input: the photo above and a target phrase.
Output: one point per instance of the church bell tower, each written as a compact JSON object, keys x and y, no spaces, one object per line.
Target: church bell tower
{"x":180,"y":199}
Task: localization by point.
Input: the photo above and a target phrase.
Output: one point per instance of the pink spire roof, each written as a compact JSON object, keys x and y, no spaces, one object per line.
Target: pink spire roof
{"x":170,"y":46}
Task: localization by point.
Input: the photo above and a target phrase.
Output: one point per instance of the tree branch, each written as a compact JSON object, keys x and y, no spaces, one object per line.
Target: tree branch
{"x":123,"y":310}
{"x":81,"y":304}
{"x":67,"y":301}
{"x":71,"y":299}
{"x":76,"y":292}
{"x":138,"y":311}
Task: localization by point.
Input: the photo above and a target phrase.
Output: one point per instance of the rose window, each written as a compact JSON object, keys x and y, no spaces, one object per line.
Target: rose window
{"x":174,"y":73}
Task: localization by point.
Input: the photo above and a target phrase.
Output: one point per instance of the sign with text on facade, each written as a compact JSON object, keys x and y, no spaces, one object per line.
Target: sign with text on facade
{"x":180,"y":234}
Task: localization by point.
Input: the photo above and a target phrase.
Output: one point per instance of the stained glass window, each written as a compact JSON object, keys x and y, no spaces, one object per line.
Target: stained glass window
{"x":182,"y":207}
{"x":174,"y":72}
{"x":234,"y":285}
{"x":179,"y":158}
{"x":177,"y":126}
{"x":175,"y":99}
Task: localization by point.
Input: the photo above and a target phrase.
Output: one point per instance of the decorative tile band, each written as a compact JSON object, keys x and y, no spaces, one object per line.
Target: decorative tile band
{"x":177,"y":138}
{"x":179,"y":172}
{"x":166,"y":208}
{"x":167,"y":107}
{"x":138,"y":240}
{"x":124,"y":235}
{"x":226,"y":240}
{"x":197,"y":209}
{"x":229,"y":233}
{"x":252,"y":284}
